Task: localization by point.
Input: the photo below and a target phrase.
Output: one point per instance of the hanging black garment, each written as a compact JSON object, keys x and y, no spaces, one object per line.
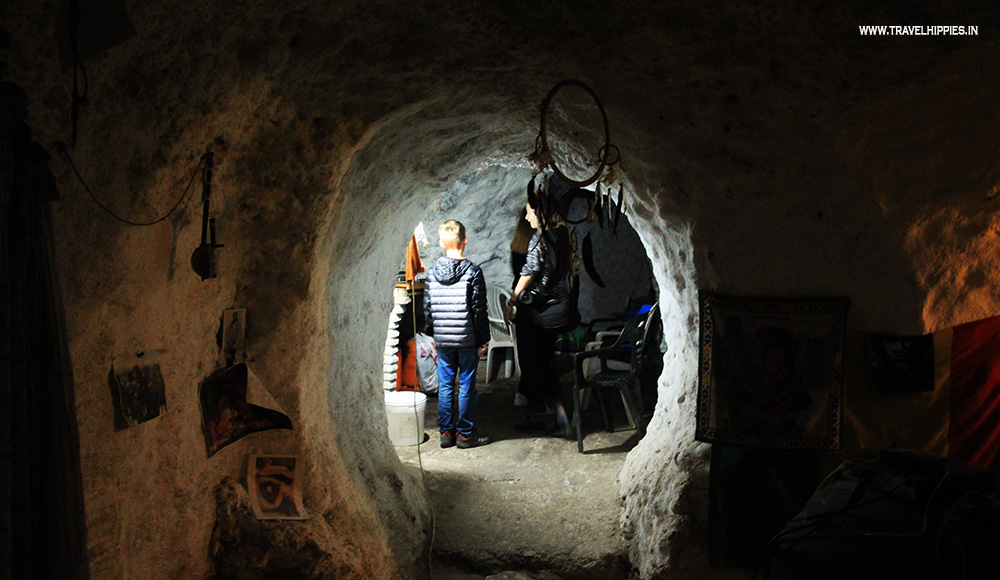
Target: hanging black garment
{"x":618,"y":210}
{"x":588,"y":261}
{"x":599,"y":206}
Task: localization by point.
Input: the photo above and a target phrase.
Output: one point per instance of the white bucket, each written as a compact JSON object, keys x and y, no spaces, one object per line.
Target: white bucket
{"x":405,"y":412}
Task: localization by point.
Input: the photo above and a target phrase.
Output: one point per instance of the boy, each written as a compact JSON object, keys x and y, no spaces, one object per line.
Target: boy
{"x":456,"y":316}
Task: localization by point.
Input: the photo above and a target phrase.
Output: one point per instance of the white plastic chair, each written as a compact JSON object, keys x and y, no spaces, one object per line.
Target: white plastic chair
{"x":502,"y":335}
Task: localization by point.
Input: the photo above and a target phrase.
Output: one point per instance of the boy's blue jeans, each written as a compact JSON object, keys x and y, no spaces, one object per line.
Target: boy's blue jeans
{"x":463,"y":361}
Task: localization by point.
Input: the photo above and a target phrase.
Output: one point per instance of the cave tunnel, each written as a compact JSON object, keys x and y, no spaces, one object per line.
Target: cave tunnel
{"x":773,"y":152}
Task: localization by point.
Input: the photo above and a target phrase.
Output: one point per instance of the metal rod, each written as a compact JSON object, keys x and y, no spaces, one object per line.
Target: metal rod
{"x":206,"y":192}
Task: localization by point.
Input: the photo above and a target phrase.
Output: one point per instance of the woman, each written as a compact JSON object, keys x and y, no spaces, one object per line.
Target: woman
{"x":541,"y":293}
{"x":519,"y":244}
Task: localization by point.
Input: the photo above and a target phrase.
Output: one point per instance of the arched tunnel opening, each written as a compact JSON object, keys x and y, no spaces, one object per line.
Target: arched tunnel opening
{"x":509,"y":505}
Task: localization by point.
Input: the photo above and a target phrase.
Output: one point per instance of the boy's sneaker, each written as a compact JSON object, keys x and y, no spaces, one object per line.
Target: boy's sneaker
{"x":447,"y":440}
{"x":520,"y":400}
{"x":474,"y":440}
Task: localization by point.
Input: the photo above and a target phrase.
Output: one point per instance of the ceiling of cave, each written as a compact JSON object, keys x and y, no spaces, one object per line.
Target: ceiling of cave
{"x":355,"y":64}
{"x":403,"y":100}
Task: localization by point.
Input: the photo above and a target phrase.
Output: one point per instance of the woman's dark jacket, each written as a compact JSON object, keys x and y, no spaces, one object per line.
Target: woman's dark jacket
{"x":544,"y":266}
{"x":455,"y":304}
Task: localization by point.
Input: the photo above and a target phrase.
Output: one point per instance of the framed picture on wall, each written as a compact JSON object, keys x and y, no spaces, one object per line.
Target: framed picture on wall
{"x":771,"y":371}
{"x":900,"y":364}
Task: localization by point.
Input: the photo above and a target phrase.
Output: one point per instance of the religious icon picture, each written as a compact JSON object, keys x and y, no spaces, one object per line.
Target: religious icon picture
{"x":234,"y":330}
{"x":226,"y":414}
{"x":771,"y":371}
{"x":274,"y":484}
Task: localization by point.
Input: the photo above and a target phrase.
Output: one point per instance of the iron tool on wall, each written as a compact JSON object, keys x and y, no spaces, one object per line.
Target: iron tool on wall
{"x":203,"y":260}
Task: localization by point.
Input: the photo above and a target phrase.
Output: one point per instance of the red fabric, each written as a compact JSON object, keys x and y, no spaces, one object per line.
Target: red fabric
{"x":974,"y":422}
{"x":414,"y":265}
{"x":406,"y":376}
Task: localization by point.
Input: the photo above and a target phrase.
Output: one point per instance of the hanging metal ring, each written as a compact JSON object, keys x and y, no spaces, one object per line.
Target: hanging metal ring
{"x":607,"y":133}
{"x":605,"y":152}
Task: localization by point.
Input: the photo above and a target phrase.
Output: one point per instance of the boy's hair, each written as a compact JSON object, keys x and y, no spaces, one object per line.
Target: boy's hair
{"x":451,"y":233}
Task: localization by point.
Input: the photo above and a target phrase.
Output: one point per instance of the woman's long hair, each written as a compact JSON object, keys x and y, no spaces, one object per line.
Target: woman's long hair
{"x":522,"y":234}
{"x":554,"y":235}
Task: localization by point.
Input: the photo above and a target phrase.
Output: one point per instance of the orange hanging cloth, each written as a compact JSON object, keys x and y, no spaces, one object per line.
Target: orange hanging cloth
{"x":414,"y":265}
{"x":406,"y":379}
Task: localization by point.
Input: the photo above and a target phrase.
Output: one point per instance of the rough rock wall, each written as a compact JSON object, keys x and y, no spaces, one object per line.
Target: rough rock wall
{"x":863,"y":177}
{"x":770,"y":148}
{"x":154,"y":105}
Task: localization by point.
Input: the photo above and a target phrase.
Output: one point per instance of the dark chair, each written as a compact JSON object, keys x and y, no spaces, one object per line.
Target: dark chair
{"x":631,"y":345}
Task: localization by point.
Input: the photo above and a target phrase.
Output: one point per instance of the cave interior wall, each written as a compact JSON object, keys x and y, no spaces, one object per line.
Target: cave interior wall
{"x":767,"y":150}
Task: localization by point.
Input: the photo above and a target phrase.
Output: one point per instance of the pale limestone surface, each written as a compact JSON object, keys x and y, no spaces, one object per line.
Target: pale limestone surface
{"x":768,"y":150}
{"x":528,"y":501}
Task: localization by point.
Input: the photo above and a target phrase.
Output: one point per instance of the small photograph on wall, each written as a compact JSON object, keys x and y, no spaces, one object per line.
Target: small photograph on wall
{"x":771,"y":372}
{"x":226,"y":414}
{"x":233,"y":331}
{"x":138,"y":392}
{"x":900,"y":364}
{"x":274,"y":484}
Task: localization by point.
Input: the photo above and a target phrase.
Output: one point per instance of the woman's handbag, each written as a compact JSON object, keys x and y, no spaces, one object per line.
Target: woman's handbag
{"x":556,"y":311}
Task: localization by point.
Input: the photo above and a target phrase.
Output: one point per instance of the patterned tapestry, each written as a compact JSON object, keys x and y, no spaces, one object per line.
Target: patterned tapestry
{"x":771,"y":371}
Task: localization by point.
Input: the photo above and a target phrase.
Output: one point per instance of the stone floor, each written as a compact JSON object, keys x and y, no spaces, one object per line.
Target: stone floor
{"x":528,"y":506}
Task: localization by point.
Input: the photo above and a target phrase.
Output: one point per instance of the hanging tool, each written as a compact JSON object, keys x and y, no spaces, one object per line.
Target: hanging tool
{"x":203,"y":260}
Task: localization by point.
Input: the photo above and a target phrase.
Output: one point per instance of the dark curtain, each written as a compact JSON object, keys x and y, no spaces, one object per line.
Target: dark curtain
{"x":42,"y":528}
{"x":753,"y":493}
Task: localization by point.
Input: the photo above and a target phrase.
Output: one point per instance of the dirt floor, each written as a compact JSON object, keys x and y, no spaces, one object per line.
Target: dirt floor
{"x":527,"y":506}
